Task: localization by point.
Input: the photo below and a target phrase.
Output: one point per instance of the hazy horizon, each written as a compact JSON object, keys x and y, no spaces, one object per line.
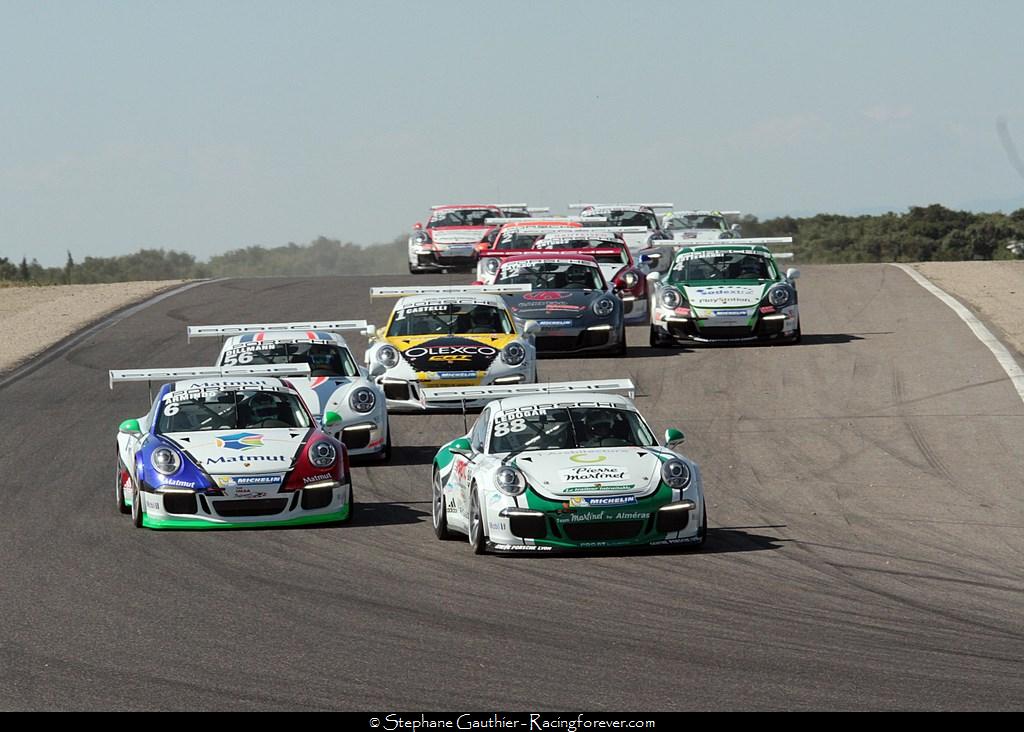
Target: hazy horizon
{"x":208,"y":127}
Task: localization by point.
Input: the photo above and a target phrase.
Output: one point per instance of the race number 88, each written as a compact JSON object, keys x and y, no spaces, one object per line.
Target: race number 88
{"x":515,"y":425}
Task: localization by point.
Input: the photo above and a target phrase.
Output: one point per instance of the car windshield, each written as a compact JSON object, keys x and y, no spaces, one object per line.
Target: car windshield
{"x":681,"y":223}
{"x":324,"y":358}
{"x":450,"y":318}
{"x":721,"y":266}
{"x":551,"y":275}
{"x":565,"y":428}
{"x":199,"y":410}
{"x":616,"y":257}
{"x":462,"y":217}
{"x":628,"y":218}
{"x":516,"y":240}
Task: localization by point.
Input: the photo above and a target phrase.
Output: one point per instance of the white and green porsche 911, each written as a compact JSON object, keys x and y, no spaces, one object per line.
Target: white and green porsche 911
{"x":565,"y":466}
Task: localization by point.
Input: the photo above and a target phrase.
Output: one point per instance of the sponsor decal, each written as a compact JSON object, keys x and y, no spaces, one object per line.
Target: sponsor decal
{"x":497,"y":525}
{"x":555,"y":307}
{"x":316,"y":478}
{"x":246,"y":492}
{"x":442,"y":353}
{"x":456,"y":374}
{"x":689,"y":540}
{"x":521,"y":548}
{"x":220,"y":459}
{"x":599,"y":502}
{"x":730,"y":313}
{"x":469,"y":354}
{"x":598,"y":487}
{"x":461,"y":470}
{"x":572,"y":518}
{"x":554,"y":323}
{"x":587,"y":458}
{"x":240,"y":441}
{"x":179,"y":483}
{"x":546,"y":295}
{"x":592,"y":474}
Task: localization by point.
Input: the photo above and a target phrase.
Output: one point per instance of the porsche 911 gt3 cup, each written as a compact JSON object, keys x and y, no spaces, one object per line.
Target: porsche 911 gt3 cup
{"x":569,"y":299}
{"x":443,"y":336}
{"x":336,"y":385}
{"x":564,"y":466}
{"x":628,"y":214}
{"x":454,"y":234}
{"x":725,"y":292}
{"x":700,"y":225}
{"x":228,"y":447}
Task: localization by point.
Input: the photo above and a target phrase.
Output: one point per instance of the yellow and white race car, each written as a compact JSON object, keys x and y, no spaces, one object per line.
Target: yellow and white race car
{"x":445,"y":336}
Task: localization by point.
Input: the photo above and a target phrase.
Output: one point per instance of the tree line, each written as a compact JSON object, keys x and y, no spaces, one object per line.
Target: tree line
{"x":922,"y":234}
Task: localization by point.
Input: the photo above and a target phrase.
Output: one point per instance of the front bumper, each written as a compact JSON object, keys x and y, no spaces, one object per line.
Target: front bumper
{"x":442,"y":260}
{"x":578,"y":340}
{"x":780,"y":325}
{"x":364,"y":436}
{"x":189,"y":510}
{"x":519,"y":530}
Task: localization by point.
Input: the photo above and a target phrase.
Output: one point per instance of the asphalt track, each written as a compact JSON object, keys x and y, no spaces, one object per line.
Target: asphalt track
{"x":865,"y":549}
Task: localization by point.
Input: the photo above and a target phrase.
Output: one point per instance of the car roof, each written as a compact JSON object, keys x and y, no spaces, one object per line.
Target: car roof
{"x":225,"y":383}
{"x":562,"y":399}
{"x":450,"y":206}
{"x":553,"y":255}
{"x":412,"y":301}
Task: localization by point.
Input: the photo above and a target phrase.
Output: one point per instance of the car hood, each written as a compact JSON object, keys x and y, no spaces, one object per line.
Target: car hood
{"x":317,"y":391}
{"x":601,"y":471}
{"x":725,"y":295}
{"x":459,"y":234}
{"x":463,"y":357}
{"x":552,"y":304}
{"x":696,"y":234}
{"x":242,"y":452}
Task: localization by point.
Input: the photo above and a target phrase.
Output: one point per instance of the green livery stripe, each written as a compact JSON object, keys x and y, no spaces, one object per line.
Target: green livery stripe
{"x":195,"y":523}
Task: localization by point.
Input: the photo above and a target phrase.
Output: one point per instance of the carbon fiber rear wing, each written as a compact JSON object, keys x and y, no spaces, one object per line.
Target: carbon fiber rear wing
{"x":473,"y":393}
{"x":275,"y":371}
{"x":223,"y":331}
{"x":379,"y":292}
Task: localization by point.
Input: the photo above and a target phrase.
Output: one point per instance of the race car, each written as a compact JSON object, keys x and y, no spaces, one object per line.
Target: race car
{"x":724,"y":293}
{"x":627,"y":214}
{"x":452,"y":232}
{"x":231,"y":446}
{"x":700,"y":225}
{"x":448,"y":336}
{"x":512,"y":237}
{"x":561,"y":467}
{"x":569,"y":299}
{"x":609,"y":249}
{"x":335,"y":384}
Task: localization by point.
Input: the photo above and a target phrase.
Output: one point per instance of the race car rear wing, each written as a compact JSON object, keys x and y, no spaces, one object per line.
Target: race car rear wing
{"x":457,"y":394}
{"x":622,"y":205}
{"x":275,"y":371}
{"x":703,"y":213}
{"x":223,"y":331}
{"x":499,"y":220}
{"x":379,"y":292}
{"x":762,"y":240}
{"x":522,"y":207}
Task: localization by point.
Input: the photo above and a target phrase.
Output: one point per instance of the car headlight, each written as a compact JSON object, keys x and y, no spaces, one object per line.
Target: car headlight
{"x":513,"y":354}
{"x":166,"y":461}
{"x":675,"y":473}
{"x":630,"y":280}
{"x":322,"y":454}
{"x":670,"y":298}
{"x":510,"y":481}
{"x":604,"y":307}
{"x":780,"y":295}
{"x":362,"y":400}
{"x":420,"y":237}
{"x":491,"y":265}
{"x":387,"y":356}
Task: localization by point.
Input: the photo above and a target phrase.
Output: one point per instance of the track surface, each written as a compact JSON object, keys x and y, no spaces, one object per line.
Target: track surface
{"x":865,"y":551}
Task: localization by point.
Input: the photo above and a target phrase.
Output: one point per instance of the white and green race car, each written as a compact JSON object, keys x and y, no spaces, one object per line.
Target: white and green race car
{"x":724,"y":293}
{"x":564,"y":466}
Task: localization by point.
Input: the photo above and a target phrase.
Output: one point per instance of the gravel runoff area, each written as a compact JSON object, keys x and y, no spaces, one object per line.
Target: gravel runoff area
{"x":34,"y":318}
{"x":994,"y":291}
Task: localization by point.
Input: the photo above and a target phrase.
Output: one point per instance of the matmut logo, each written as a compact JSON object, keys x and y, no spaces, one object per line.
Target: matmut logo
{"x":240,"y":441}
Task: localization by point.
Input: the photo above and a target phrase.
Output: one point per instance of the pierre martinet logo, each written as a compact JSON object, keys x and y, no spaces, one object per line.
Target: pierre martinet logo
{"x":240,"y":441}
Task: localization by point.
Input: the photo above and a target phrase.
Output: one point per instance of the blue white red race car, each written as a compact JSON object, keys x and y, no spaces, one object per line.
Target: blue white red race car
{"x":228,"y":447}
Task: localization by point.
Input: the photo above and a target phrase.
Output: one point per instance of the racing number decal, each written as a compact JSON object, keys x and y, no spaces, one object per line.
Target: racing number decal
{"x":171,"y":409}
{"x":240,"y":359}
{"x":513,"y":425}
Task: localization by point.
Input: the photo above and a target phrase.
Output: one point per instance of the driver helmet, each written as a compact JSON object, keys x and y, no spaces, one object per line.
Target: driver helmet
{"x":263,"y":405}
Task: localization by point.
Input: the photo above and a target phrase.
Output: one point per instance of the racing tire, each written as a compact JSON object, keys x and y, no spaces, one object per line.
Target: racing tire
{"x":477,"y":538}
{"x":438,"y":512}
{"x":797,"y":337}
{"x":655,"y":340}
{"x":621,"y":350}
{"x":119,"y":488}
{"x":137,"y":510}
{"x":385,"y":454}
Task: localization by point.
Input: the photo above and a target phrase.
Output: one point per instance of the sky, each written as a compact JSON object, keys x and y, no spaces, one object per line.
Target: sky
{"x":209,"y":126}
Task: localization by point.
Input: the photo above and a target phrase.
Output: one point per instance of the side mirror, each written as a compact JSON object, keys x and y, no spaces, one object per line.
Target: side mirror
{"x":673,"y":437}
{"x":792,"y":273}
{"x":531,"y":328}
{"x":370,"y":331}
{"x":331,"y":419}
{"x":654,"y":276}
{"x":130,"y":427}
{"x":462,"y":447}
